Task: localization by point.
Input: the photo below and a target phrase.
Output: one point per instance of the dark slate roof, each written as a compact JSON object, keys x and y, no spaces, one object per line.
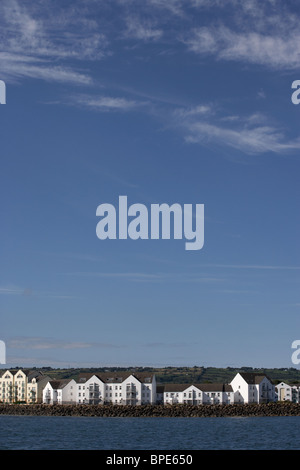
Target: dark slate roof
{"x":254,"y":378}
{"x":215,"y":387}
{"x":25,"y":371}
{"x":29,"y":373}
{"x":176,"y":387}
{"x":116,"y":377}
{"x":44,"y":378}
{"x":204,"y":387}
{"x":56,"y":384}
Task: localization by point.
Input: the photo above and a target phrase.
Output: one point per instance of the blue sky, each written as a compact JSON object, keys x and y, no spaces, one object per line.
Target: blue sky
{"x":172,"y":101}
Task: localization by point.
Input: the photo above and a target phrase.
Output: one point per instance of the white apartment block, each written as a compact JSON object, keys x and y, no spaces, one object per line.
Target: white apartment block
{"x":131,"y":388}
{"x":252,"y":388}
{"x":22,"y":386}
{"x":198,"y":394}
{"x":60,"y":392}
{"x":93,"y":389}
{"x":286,"y":392}
{"x":121,"y":388}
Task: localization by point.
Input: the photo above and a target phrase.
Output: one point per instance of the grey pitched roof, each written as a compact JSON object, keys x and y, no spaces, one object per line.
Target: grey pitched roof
{"x":215,"y":387}
{"x":56,"y":384}
{"x":204,"y":387}
{"x":116,"y":377}
{"x":25,"y":371}
{"x":42,"y":378}
{"x":254,"y":378}
{"x":29,"y":373}
{"x":176,"y":387}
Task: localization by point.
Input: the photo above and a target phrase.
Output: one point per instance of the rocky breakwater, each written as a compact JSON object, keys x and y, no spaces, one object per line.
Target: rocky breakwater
{"x":144,"y":411}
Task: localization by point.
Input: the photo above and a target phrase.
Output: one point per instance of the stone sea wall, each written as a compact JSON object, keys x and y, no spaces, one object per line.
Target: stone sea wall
{"x":246,"y":410}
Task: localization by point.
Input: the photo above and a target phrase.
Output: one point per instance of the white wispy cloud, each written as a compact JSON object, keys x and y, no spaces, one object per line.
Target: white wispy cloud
{"x":15,"y":67}
{"x":250,"y":140}
{"x":264,"y":43}
{"x":34,"y":45}
{"x":42,"y":343}
{"x":255,"y":266}
{"x":55,"y":47}
{"x":29,"y":292}
{"x":150,"y":277}
{"x":144,"y":30}
{"x":12,"y":290}
{"x":252,"y":32}
{"x":174,"y":7}
{"x":104,"y":103}
{"x":202,"y":110}
{"x":251,"y":134}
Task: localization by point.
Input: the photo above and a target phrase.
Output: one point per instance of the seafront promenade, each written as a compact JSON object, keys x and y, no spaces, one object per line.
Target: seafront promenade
{"x":144,"y":411}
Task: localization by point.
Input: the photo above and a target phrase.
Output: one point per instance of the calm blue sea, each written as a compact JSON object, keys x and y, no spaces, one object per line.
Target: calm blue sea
{"x":72,"y":433}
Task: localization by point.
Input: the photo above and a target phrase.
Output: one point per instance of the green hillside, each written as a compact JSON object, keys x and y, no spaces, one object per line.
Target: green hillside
{"x":194,"y":374}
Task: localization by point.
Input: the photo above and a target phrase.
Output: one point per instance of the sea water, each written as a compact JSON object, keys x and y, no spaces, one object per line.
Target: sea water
{"x":97,"y":433}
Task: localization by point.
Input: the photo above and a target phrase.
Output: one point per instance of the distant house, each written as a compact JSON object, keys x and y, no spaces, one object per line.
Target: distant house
{"x":287,"y":392}
{"x":90,"y":390}
{"x":296,"y":393}
{"x":35,"y":388}
{"x":160,"y":388}
{"x":198,"y":394}
{"x":217,"y":393}
{"x":22,"y":386}
{"x":179,"y":393}
{"x":60,"y":392}
{"x":252,"y":388}
{"x":120,"y":388}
